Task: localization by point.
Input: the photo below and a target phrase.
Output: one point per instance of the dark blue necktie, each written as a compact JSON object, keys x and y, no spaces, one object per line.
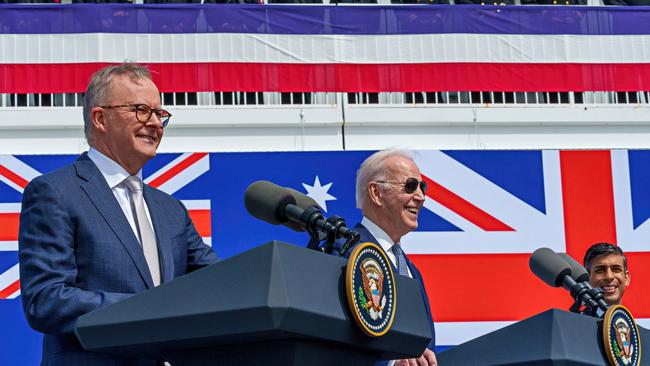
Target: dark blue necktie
{"x":402,"y":267}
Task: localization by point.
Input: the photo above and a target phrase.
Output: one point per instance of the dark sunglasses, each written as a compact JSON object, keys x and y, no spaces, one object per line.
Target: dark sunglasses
{"x":410,"y":185}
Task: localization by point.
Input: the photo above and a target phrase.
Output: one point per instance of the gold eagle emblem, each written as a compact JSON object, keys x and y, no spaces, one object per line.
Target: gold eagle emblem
{"x":373,"y":279}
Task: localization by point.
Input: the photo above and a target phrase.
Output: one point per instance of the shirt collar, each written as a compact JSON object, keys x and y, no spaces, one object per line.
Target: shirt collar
{"x":113,"y":172}
{"x":382,"y":238}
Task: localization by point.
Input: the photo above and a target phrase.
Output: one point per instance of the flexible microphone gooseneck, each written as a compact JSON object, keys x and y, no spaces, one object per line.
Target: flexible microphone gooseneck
{"x":556,"y":271}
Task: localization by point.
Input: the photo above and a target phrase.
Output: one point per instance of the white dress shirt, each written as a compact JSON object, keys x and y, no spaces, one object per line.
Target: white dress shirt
{"x":115,"y":174}
{"x":383,"y":239}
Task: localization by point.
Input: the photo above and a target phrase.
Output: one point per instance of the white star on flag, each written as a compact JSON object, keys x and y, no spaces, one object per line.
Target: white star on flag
{"x":319,"y":193}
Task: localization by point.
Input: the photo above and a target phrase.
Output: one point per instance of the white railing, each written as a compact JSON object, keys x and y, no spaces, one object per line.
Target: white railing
{"x":245,"y":99}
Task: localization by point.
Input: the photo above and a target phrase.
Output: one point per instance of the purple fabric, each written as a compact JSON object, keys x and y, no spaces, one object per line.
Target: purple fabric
{"x":287,"y":19}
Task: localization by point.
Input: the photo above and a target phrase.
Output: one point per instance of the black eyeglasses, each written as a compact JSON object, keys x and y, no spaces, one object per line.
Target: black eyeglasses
{"x":410,"y":185}
{"x":143,"y":112}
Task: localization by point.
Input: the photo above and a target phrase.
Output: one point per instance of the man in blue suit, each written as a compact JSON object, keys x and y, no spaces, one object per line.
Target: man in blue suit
{"x":390,"y":192}
{"x":91,"y":234}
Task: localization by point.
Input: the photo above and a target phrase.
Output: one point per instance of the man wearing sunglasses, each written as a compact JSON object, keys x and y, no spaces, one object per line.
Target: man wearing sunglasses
{"x":92,"y":234}
{"x":390,"y":192}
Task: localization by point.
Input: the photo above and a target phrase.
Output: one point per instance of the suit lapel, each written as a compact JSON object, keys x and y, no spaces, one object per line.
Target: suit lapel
{"x":162,"y":239}
{"x":418,"y":276}
{"x":366,"y":236}
{"x":98,"y":191}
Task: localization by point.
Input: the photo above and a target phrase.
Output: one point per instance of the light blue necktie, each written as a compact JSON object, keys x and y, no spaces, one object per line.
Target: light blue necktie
{"x":402,"y":267}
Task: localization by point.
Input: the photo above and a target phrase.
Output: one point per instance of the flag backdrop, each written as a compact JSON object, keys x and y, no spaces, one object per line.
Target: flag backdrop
{"x":486,"y":212}
{"x":46,"y":49}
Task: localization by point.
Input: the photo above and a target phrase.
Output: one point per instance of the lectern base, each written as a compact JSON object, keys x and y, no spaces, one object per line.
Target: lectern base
{"x":281,"y":352}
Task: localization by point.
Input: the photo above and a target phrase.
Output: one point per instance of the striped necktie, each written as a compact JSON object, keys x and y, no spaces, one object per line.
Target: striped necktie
{"x":401,"y":265}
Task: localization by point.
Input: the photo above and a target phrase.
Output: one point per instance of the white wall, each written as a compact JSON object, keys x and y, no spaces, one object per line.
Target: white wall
{"x":298,"y":128}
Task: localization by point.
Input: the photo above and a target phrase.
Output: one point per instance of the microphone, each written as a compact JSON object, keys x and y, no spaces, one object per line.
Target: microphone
{"x":266,"y":201}
{"x":578,"y":272}
{"x":549,"y":267}
{"x":279,"y":205}
{"x":556,"y":271}
{"x":313,"y":213}
{"x":581,"y":276}
{"x":303,"y":201}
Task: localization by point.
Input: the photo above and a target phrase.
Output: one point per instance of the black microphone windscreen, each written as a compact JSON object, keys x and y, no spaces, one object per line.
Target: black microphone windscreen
{"x":302,"y":200}
{"x":578,"y":272}
{"x":549,"y":266}
{"x":266,"y":201}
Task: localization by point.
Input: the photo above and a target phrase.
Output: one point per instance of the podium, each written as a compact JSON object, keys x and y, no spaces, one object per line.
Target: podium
{"x":554,"y":337}
{"x":276,"y":304}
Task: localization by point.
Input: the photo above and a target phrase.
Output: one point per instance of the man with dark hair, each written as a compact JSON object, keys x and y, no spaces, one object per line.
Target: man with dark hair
{"x":607,"y":267}
{"x":91,"y":233}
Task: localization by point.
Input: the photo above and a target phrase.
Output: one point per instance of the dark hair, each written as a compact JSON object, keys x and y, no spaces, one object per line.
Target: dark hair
{"x":600,"y":249}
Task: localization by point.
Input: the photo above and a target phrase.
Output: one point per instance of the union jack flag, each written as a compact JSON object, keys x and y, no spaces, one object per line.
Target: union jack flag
{"x":500,"y":206}
{"x":170,"y":178}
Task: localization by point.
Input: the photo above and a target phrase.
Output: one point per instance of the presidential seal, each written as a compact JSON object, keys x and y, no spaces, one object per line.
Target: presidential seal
{"x":621,"y":337}
{"x":370,"y":287}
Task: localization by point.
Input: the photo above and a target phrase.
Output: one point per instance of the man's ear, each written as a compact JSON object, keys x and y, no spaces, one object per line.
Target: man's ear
{"x":374,"y":193}
{"x":97,"y":119}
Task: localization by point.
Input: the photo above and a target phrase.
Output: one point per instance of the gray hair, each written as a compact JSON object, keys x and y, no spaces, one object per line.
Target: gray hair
{"x":374,"y":168}
{"x":100,"y":83}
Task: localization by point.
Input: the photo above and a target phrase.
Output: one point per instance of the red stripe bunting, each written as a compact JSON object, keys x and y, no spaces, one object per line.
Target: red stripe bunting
{"x":192,"y":77}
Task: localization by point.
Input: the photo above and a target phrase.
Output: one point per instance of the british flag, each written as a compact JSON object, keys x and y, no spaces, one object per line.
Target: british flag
{"x":500,"y":206}
{"x":170,"y":178}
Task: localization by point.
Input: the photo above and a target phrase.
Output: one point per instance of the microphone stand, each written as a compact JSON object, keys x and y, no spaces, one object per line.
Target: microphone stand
{"x":336,"y":222}
{"x":320,"y":228}
{"x":333,"y":228}
{"x":592,"y":298}
{"x":348,"y":243}
{"x":309,"y":217}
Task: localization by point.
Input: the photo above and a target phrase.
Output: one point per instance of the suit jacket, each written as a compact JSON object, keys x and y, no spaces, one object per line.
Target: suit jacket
{"x":78,"y":253}
{"x":366,"y":236}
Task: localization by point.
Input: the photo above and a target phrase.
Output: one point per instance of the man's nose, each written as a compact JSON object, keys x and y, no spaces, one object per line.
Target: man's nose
{"x":154,"y":121}
{"x":419,"y":195}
